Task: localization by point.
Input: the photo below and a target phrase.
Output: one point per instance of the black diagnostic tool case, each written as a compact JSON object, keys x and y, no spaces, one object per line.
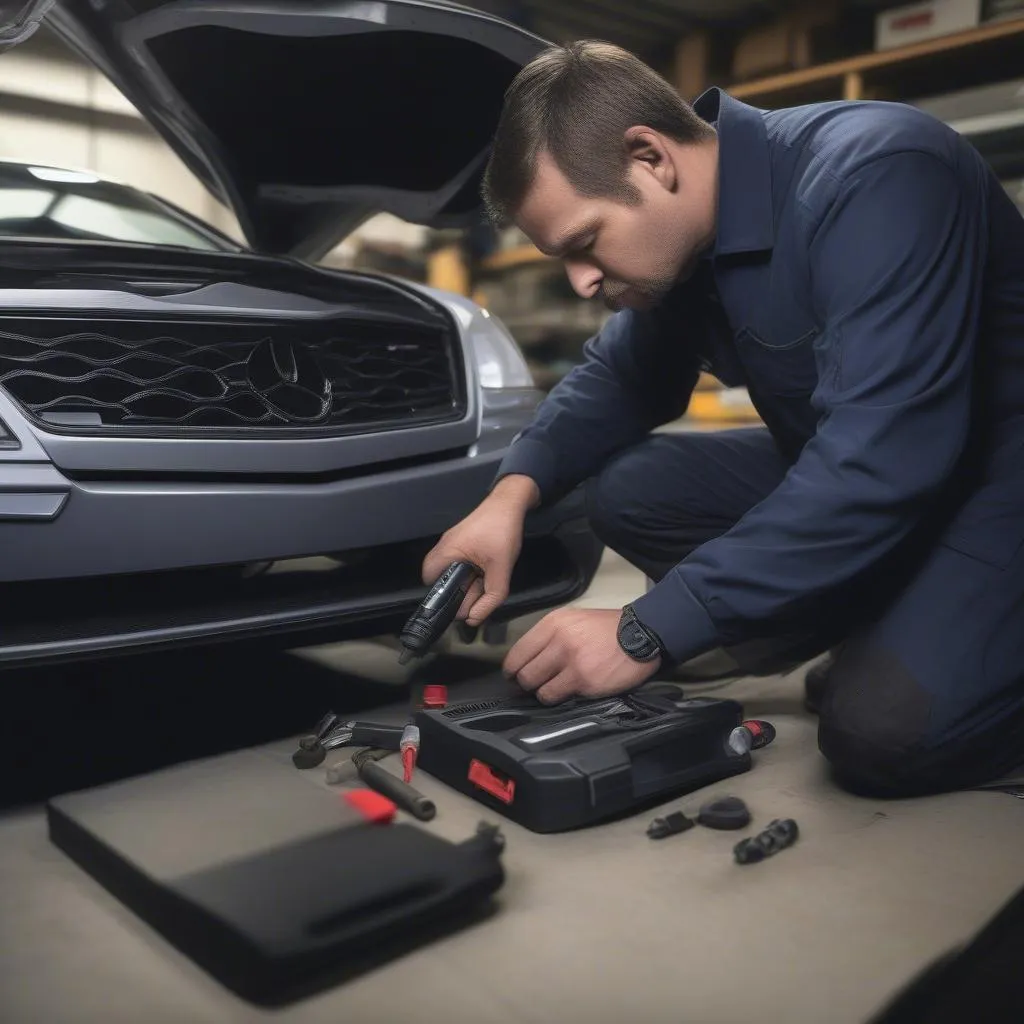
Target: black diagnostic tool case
{"x":555,"y":768}
{"x":265,"y":877}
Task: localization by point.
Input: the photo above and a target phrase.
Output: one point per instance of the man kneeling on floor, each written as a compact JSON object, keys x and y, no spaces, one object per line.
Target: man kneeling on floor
{"x":856,"y":266}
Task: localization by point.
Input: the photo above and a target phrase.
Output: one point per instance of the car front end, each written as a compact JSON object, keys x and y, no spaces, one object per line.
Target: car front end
{"x":216,"y":446}
{"x":203,"y":440}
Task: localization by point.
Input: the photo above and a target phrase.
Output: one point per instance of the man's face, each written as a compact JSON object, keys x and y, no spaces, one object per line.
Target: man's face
{"x":628,"y":255}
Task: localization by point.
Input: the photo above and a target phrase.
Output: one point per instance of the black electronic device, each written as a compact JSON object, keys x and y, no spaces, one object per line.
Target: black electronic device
{"x":437,"y":610}
{"x":552,"y":769}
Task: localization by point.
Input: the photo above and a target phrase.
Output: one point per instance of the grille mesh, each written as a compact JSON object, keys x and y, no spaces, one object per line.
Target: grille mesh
{"x":341,"y":377}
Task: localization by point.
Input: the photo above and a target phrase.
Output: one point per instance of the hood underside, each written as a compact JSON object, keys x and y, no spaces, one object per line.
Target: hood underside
{"x":307,"y":118}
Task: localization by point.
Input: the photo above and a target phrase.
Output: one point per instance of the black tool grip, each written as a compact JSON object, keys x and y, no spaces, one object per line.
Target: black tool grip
{"x":439,"y":607}
{"x":402,"y":794}
{"x":368,"y":734}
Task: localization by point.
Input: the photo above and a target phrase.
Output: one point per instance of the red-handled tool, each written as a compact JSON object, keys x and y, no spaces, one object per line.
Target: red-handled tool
{"x":410,"y":748}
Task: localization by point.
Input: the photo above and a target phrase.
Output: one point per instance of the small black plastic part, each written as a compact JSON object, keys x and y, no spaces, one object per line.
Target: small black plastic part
{"x":370,"y":734}
{"x":777,"y":836}
{"x":312,"y":744}
{"x":488,"y":838}
{"x":670,"y":825}
{"x":726,"y":813}
{"x":309,"y":757}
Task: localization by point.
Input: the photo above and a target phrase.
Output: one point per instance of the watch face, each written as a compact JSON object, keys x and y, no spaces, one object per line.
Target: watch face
{"x":635,"y":640}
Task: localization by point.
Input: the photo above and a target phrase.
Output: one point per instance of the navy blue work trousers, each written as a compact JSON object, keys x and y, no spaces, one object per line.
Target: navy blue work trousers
{"x":927,"y":691}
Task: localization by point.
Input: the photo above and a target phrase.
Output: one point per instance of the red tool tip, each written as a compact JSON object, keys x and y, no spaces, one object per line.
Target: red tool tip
{"x":408,"y":763}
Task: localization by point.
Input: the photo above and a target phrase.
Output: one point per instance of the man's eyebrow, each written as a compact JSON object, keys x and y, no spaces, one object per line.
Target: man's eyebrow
{"x":569,"y":241}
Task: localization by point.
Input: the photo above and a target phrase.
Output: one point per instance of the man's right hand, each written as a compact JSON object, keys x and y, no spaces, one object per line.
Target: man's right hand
{"x":490,"y":537}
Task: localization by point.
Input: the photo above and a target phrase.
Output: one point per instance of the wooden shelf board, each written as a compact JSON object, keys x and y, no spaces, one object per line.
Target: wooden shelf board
{"x":517,"y":256}
{"x":878,"y":59}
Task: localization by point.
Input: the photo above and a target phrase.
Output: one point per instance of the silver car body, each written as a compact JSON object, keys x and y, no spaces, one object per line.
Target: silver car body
{"x":203,"y":445}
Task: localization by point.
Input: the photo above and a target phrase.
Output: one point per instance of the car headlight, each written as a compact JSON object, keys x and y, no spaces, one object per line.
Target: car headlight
{"x":499,"y":361}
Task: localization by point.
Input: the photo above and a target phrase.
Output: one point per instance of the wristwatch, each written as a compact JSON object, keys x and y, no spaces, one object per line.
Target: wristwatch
{"x":639,"y":642}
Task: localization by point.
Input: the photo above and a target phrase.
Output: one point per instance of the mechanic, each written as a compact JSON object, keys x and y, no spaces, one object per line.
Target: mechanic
{"x":856,"y":266}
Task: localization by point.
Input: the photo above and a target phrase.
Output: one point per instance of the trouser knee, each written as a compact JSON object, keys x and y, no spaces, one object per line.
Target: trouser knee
{"x":873,"y":726}
{"x":863,"y":765}
{"x":624,"y":521}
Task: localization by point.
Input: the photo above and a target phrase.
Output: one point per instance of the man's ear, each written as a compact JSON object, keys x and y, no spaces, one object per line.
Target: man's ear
{"x":649,"y":154}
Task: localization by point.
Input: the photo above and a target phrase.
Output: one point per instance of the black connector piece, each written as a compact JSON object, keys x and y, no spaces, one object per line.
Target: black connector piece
{"x":671,"y":825}
{"x":488,"y":839}
{"x":777,"y":836}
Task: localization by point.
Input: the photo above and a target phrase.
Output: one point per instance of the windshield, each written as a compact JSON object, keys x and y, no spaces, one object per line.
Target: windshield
{"x":46,"y":202}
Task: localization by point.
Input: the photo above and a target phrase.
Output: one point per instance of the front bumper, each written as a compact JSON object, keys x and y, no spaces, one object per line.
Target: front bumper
{"x":119,"y":526}
{"x":75,"y":608}
{"x":98,"y":564}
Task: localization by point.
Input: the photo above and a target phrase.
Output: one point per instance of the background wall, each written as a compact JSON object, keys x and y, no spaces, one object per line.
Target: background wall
{"x":961,"y":59}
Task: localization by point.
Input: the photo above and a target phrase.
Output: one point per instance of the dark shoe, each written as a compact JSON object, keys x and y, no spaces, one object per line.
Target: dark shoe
{"x":816,"y":682}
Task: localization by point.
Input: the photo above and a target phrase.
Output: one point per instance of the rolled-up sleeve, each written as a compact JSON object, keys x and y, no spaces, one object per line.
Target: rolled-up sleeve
{"x":897,"y":272}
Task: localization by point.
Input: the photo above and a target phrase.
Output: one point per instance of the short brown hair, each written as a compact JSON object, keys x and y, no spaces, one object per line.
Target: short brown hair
{"x":576,"y":102}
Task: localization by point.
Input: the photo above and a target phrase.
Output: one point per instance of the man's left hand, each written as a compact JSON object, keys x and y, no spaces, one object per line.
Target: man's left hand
{"x":575,"y":652}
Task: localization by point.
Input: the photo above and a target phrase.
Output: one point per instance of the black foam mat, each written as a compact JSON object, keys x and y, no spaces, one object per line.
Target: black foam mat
{"x":274,"y":905}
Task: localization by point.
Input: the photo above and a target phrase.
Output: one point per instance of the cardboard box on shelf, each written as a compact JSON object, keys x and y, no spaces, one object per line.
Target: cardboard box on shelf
{"x":763,"y":51}
{"x":1001,"y":10}
{"x":809,"y":34}
{"x":913,"y":23}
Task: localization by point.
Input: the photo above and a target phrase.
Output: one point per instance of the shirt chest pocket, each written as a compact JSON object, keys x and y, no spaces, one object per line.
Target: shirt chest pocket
{"x":779,"y":357}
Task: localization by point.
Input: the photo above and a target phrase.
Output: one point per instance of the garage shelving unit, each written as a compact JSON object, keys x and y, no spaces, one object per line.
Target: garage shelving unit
{"x":548,"y":320}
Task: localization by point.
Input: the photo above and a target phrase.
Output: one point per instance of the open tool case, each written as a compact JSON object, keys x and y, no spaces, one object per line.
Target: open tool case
{"x":266,"y":878}
{"x":552,"y":769}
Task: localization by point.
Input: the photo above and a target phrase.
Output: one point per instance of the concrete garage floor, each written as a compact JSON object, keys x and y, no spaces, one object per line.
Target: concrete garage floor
{"x":598,"y":926}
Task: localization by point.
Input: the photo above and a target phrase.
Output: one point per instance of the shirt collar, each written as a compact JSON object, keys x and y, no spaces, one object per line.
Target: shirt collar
{"x":746,"y":221}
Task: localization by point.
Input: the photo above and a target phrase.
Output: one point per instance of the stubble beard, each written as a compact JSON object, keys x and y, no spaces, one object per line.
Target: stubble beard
{"x":616,"y":295}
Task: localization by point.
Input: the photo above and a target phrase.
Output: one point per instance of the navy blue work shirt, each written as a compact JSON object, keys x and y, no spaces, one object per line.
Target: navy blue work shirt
{"x":867,"y":286}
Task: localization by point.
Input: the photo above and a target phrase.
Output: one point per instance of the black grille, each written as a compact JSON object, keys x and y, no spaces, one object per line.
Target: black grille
{"x":158,"y":376}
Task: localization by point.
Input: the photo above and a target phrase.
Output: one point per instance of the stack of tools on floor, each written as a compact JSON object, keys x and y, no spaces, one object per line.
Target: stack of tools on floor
{"x":377,"y":741}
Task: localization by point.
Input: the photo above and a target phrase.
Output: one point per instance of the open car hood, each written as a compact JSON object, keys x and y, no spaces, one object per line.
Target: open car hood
{"x":308,"y":117}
